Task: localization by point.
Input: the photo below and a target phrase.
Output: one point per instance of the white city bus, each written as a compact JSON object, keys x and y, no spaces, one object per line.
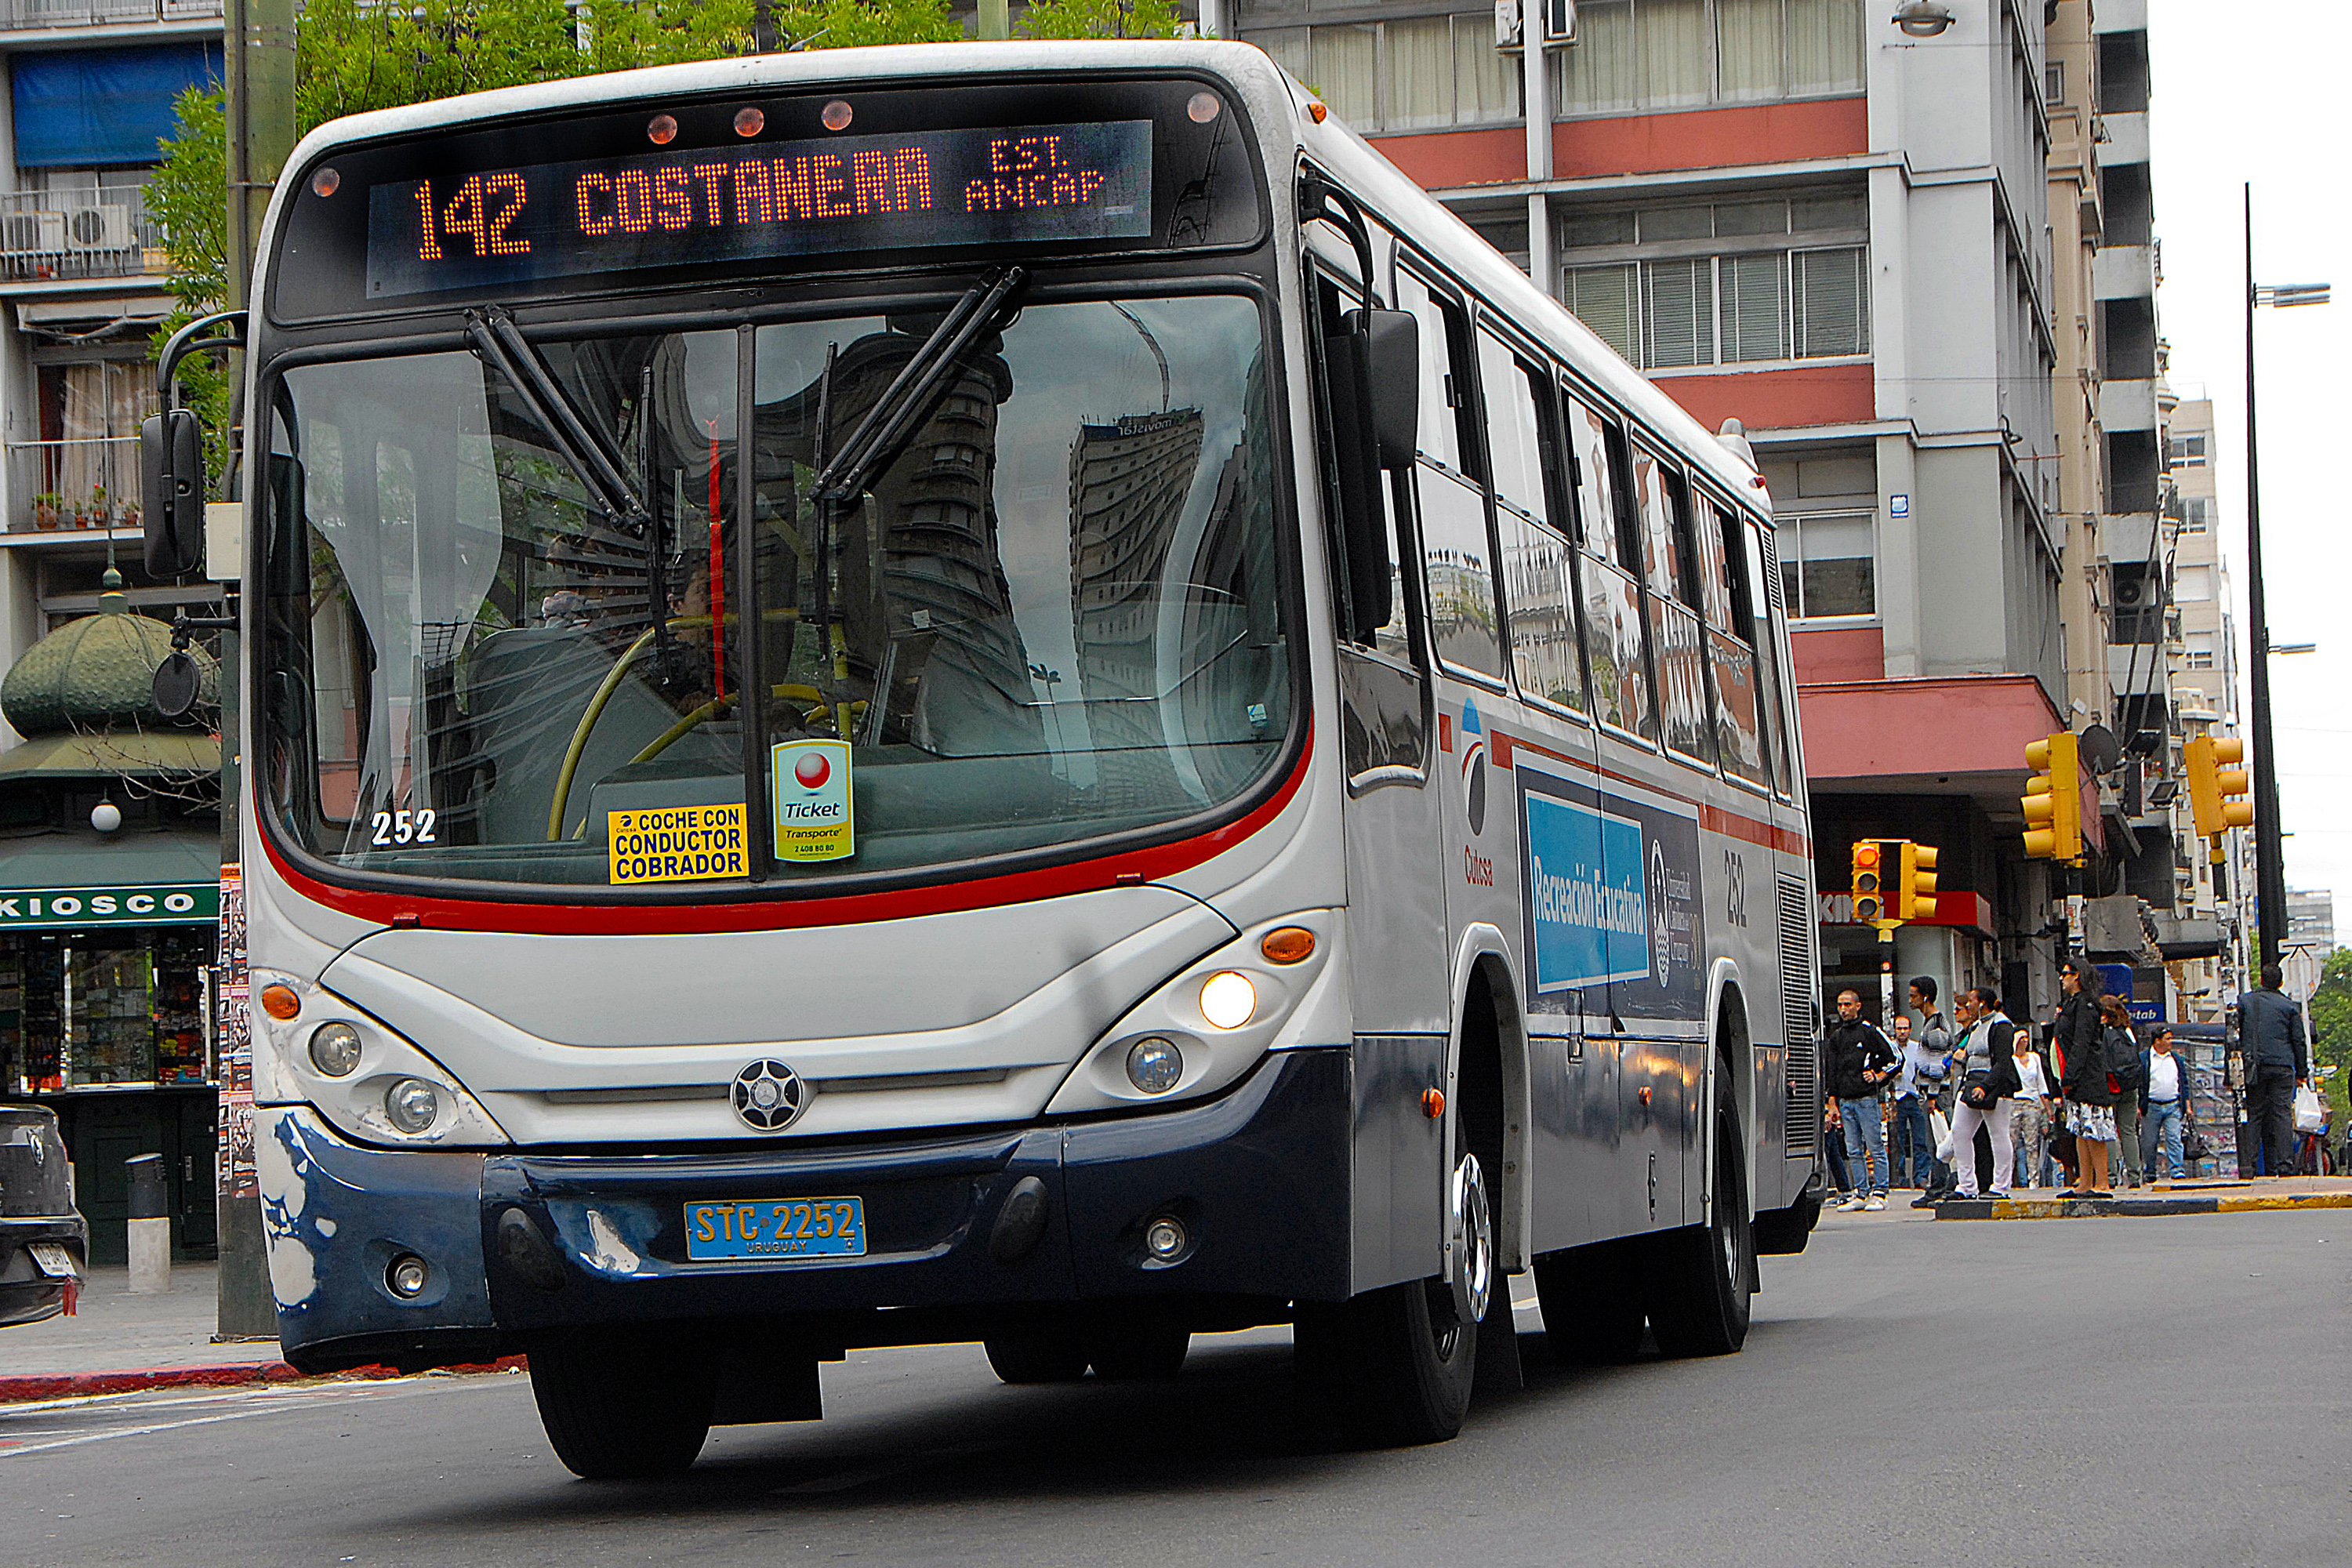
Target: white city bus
{"x":987,"y":692}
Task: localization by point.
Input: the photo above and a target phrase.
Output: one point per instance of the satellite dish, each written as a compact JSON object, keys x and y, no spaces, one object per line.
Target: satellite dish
{"x":177,"y":680}
{"x":2100,"y":750}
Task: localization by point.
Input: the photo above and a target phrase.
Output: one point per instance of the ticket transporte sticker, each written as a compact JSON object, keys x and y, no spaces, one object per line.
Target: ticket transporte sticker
{"x":677,"y":843}
{"x":817,"y":816}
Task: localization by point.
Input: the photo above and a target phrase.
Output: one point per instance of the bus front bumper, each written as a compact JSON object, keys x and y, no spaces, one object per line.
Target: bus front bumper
{"x":966,"y":1230}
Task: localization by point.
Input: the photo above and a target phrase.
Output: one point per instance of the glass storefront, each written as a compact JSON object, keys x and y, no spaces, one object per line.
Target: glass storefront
{"x":87,"y":1010}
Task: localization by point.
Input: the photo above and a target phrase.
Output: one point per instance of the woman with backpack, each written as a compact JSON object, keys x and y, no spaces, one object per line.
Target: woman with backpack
{"x":2079,"y":1037}
{"x":2121,"y":1046}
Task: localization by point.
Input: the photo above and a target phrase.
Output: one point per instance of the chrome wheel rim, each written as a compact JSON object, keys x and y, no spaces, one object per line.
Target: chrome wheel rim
{"x":1470,"y":1243}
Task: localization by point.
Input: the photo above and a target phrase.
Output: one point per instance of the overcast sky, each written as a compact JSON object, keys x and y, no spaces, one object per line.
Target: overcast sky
{"x":2255,"y":90}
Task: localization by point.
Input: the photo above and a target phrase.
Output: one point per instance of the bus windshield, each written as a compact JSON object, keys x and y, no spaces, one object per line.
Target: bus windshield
{"x":1048,"y":610}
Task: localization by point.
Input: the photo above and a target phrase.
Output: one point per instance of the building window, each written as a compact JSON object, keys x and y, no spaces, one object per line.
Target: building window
{"x":1828,"y":565}
{"x":2197,"y":514}
{"x":2193,"y":583}
{"x":1680,"y":54}
{"x":2053,"y":82}
{"x":1742,"y":288}
{"x":2185,"y":451}
{"x":1422,"y":73}
{"x":2200,"y":650}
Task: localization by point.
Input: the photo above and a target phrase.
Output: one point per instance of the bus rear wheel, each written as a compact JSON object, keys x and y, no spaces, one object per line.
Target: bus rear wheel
{"x":620,"y":1405}
{"x":1591,"y":1300}
{"x":1699,"y":1302}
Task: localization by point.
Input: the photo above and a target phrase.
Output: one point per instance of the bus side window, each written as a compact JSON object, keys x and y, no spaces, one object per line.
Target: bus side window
{"x":1441,"y":426}
{"x":1669,"y":579}
{"x":1537,"y":583}
{"x":1457,"y":558}
{"x":1728,"y":581}
{"x":1612,"y":596}
{"x":1771,"y":676}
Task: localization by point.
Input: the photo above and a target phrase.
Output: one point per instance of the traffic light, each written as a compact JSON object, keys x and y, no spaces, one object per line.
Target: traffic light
{"x":2053,"y":799}
{"x":2210,"y":784}
{"x":1869,"y":898}
{"x":1915,"y":895}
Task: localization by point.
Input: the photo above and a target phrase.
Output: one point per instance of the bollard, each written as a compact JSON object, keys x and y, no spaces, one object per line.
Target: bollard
{"x":150,"y":1226}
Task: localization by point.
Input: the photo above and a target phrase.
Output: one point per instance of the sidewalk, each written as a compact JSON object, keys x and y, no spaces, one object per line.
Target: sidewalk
{"x":2161,"y":1199}
{"x":120,"y":1344}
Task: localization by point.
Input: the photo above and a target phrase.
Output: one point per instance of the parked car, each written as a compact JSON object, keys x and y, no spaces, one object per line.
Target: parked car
{"x":44,"y":1241}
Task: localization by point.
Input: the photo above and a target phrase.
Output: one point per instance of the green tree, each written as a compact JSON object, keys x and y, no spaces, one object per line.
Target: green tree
{"x":1100,"y":20}
{"x":2331,"y":1020}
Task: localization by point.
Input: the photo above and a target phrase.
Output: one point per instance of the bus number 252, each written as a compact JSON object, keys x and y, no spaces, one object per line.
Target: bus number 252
{"x":402,"y":827}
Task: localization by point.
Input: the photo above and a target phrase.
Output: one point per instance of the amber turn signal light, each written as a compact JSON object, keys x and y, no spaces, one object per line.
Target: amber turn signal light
{"x":1433,"y":1103}
{"x":1316,"y":112}
{"x":1287,"y":944}
{"x":280,"y":1002}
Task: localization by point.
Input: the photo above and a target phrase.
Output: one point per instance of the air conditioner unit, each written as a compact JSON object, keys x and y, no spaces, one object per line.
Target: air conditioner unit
{"x":98,"y":228}
{"x":2135,"y":593}
{"x":30,"y":233}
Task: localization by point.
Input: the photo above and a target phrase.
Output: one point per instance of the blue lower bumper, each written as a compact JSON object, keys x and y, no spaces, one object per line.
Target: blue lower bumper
{"x":518,"y":1243}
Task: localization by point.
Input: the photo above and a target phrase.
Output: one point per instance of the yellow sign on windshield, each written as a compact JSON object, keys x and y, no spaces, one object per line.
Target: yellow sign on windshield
{"x":677,"y":843}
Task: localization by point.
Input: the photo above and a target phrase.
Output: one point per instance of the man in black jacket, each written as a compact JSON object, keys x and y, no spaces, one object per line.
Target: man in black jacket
{"x":2275,"y":1044}
{"x":1860,"y":1063}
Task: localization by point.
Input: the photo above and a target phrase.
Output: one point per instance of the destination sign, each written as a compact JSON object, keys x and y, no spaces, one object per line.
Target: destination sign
{"x":928,"y":189}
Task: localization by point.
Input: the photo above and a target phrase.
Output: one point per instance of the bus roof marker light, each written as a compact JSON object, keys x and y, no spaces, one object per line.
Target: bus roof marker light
{"x":837,"y":115}
{"x":662,"y":130}
{"x":749,"y":122}
{"x":1287,"y":944}
{"x":1318,"y":112}
{"x":326,"y":182}
{"x":1228,"y":1000}
{"x":281,"y":1002}
{"x":1203,"y":107}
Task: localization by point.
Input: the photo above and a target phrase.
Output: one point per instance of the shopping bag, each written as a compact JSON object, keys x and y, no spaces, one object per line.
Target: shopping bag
{"x":1939,"y":1130}
{"x":2310,"y":1110}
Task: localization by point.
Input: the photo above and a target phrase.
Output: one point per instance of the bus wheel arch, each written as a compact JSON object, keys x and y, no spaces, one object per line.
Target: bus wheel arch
{"x":1489,"y":1087}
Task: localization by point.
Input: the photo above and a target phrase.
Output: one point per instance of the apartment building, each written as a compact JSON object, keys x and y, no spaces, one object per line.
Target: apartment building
{"x":1795,"y":213}
{"x":107,"y":934}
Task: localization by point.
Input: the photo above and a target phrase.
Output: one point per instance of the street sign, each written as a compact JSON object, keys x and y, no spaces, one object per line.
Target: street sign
{"x":180,"y":903}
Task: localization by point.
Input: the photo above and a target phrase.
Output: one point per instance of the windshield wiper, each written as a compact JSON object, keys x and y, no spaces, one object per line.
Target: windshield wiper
{"x":497,"y":339}
{"x":876,"y":439}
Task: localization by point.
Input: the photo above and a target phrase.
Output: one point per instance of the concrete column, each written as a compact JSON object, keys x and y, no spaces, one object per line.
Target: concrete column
{"x":1536,"y":83}
{"x":150,"y":1226}
{"x":1212,"y":18}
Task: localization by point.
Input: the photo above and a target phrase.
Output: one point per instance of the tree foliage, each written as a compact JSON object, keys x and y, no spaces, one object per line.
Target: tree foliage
{"x":1100,"y":20}
{"x":2331,"y":1020}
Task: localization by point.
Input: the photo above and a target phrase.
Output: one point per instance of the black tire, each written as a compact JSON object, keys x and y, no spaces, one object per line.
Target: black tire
{"x":1592,"y":1302}
{"x":1392,"y":1367}
{"x":620,"y":1405}
{"x":1036,"y":1357}
{"x":1143,"y":1352}
{"x":1698,"y":1284}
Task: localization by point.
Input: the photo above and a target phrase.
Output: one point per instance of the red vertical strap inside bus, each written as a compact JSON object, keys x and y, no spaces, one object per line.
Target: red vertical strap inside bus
{"x":717,"y":579}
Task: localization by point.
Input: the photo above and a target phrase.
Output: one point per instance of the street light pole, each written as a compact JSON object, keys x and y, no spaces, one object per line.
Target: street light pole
{"x":2270,"y":857}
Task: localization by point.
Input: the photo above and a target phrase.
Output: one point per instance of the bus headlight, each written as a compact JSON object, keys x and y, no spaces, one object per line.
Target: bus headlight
{"x":335,"y":1049}
{"x":1228,"y":1000}
{"x":1154,"y":1065}
{"x":411,"y":1105}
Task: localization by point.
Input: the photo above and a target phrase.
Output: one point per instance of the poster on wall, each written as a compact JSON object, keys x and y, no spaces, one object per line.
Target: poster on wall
{"x":234,"y":1030}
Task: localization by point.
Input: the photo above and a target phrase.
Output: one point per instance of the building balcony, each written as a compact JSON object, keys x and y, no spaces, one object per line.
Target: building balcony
{"x":52,"y":236}
{"x":2123,"y":273}
{"x":52,"y":15}
{"x":2127,"y":139}
{"x":2129,"y":536}
{"x":2138,"y":669}
{"x":83,"y":486}
{"x":2127,"y":405}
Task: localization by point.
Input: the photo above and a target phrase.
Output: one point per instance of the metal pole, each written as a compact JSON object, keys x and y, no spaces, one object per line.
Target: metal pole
{"x":2270,"y":861}
{"x":1536,"y":91}
{"x":259,"y":68}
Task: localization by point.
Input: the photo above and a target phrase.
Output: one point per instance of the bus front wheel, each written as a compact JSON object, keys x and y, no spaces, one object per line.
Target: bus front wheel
{"x":621,"y":1405}
{"x":1020,"y":1357}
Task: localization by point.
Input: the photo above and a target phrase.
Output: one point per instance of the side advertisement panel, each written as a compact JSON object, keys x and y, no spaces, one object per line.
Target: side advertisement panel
{"x":1611,"y":902}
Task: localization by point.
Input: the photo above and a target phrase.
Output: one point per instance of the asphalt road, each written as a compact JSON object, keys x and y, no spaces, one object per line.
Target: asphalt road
{"x":2086,"y":1392}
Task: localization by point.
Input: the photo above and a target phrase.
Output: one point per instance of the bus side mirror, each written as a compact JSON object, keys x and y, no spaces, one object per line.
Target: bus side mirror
{"x":171,"y":472}
{"x":1392,"y":352}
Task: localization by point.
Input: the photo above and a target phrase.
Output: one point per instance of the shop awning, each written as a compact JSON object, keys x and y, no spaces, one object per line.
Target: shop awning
{"x":78,"y":879}
{"x":127,"y":755}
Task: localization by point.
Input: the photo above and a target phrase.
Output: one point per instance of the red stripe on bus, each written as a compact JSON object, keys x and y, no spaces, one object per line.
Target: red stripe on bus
{"x":409,"y":909}
{"x":1713,"y":818}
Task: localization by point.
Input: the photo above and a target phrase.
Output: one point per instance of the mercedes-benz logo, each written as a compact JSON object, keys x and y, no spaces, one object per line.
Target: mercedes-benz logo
{"x":769,"y":1096}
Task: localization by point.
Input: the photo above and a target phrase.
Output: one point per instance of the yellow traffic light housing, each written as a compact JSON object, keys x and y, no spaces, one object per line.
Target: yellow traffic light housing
{"x":2210,"y":784}
{"x":2053,"y":799}
{"x":1915,"y":895}
{"x":1869,"y":891}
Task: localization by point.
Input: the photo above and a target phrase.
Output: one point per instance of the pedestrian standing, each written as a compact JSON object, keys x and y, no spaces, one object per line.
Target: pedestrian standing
{"x":1937,"y":1035}
{"x":2079,"y":1037}
{"x":1922,"y":1069}
{"x":2276,"y":1047}
{"x":2123,"y":1050}
{"x":2163,"y":1092}
{"x":1860,"y":1063}
{"x":1988,"y":1086}
{"x":2029,"y":1112}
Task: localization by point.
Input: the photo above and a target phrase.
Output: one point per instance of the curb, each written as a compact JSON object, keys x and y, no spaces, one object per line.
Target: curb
{"x":25,"y":1387}
{"x":2137,"y":1209}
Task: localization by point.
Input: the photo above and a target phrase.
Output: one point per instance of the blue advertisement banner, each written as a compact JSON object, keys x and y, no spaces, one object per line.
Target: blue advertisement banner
{"x":1611,"y":902}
